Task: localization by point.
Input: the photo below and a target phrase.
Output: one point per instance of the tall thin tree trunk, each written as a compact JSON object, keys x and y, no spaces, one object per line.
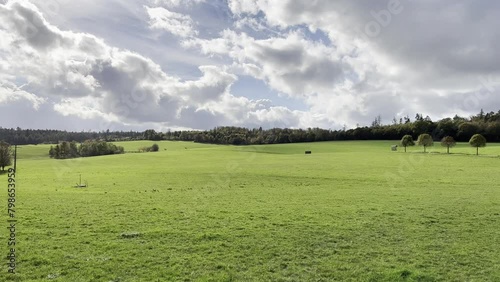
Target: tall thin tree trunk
{"x":477,"y":151}
{"x":448,"y":149}
{"x":405,"y":149}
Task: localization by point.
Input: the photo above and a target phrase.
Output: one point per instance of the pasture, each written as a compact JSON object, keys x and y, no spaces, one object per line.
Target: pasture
{"x":350,"y":211}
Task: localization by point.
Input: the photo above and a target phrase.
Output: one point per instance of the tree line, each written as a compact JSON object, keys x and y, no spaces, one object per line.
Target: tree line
{"x":20,"y":136}
{"x":460,"y":128}
{"x":89,"y":148}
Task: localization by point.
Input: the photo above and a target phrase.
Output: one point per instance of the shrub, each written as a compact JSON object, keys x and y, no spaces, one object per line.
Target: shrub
{"x":155,"y":148}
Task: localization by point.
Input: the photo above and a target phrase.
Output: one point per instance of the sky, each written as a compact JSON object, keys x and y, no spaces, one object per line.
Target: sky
{"x":197,"y":64}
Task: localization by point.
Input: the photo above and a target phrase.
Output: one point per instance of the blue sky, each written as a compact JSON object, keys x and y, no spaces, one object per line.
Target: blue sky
{"x":197,"y":64}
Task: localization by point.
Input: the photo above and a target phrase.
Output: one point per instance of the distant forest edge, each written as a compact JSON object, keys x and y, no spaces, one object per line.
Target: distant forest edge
{"x":460,"y":128}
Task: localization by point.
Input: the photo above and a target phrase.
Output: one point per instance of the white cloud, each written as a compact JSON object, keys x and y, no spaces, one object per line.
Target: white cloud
{"x":383,"y":57}
{"x":87,"y":78}
{"x":175,"y":23}
{"x":239,"y":7}
{"x":11,"y":93}
{"x":428,"y":57}
{"x":83,"y":107}
{"x":210,"y":87}
{"x":290,"y":64}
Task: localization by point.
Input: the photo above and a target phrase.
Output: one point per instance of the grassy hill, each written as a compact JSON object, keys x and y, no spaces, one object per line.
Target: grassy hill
{"x":350,"y":211}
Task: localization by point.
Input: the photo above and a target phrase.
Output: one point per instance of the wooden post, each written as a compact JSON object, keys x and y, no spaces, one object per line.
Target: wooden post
{"x":15,"y":158}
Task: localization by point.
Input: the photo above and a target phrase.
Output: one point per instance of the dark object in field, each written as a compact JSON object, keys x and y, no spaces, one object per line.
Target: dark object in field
{"x":130,"y":235}
{"x":394,"y":147}
{"x":82,"y":185}
{"x":308,"y":152}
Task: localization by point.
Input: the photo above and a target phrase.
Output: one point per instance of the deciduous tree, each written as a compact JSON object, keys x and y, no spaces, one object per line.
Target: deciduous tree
{"x":477,"y":140}
{"x":407,"y":141}
{"x":425,"y":140}
{"x":5,"y":155}
{"x":448,"y":142}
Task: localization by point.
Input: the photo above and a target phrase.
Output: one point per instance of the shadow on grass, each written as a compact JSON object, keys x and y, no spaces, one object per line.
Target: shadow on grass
{"x":454,"y":154}
{"x":468,"y":154}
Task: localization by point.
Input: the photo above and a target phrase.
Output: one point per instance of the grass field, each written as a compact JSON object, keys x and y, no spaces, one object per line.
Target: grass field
{"x":351,"y":211}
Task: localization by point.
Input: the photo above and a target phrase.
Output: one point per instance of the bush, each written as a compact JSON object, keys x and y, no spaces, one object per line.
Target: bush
{"x":155,"y":148}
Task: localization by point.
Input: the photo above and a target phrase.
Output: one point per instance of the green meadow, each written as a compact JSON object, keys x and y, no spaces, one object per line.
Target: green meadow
{"x":350,"y":211}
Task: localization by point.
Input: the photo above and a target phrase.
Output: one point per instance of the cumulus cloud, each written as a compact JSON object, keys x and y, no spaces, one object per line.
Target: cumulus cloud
{"x":341,"y":62}
{"x":210,"y":87}
{"x":383,"y":57}
{"x":175,"y":23}
{"x":290,"y":64}
{"x":87,"y":78}
{"x":239,"y":7}
{"x":11,"y":93}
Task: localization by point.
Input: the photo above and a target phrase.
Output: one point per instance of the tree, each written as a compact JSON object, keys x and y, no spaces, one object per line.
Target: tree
{"x":57,"y":150}
{"x":425,"y":140}
{"x":64,"y":150}
{"x":52,"y":152}
{"x":73,"y":149}
{"x":448,"y":142}
{"x":5,"y":155}
{"x":422,"y":125}
{"x":406,"y":141}
{"x":407,"y":119}
{"x":151,"y":134}
{"x":446,"y":127}
{"x":477,"y":140}
{"x":377,"y":121}
{"x":465,"y":130}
